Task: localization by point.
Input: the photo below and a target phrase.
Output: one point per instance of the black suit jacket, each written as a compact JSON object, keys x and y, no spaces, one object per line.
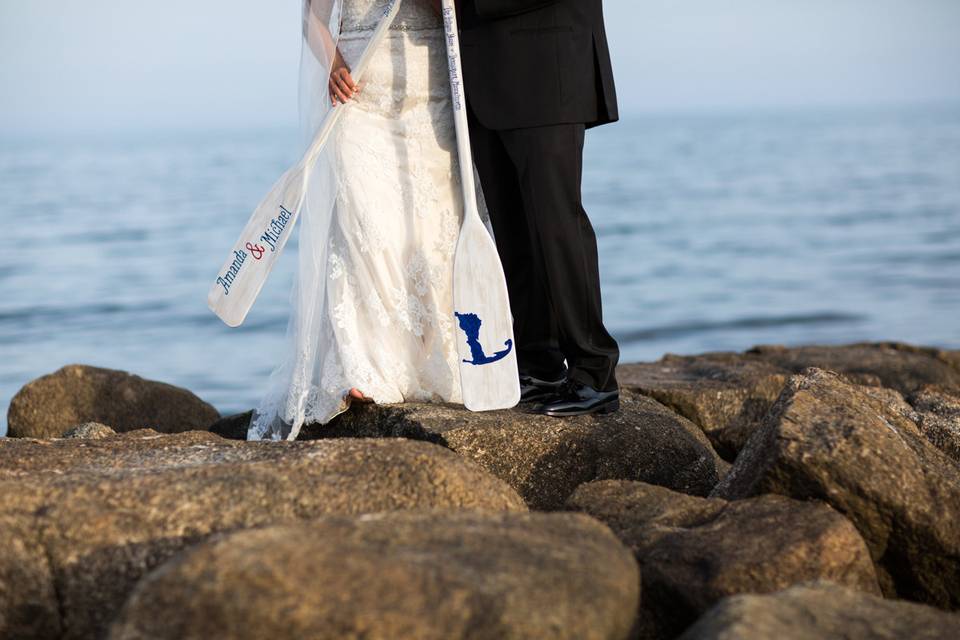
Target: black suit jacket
{"x":532,"y":63}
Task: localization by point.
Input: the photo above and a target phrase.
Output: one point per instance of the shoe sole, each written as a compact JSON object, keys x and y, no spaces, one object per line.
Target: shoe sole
{"x":605,"y":409}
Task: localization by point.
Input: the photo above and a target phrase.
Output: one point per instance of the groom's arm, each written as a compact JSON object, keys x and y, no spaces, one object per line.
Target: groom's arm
{"x":502,"y":8}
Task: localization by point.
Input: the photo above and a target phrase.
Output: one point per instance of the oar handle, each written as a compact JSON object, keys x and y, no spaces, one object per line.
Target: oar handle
{"x":460,"y":111}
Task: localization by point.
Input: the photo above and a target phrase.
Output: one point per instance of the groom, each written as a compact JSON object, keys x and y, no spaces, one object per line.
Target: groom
{"x":537,"y":73}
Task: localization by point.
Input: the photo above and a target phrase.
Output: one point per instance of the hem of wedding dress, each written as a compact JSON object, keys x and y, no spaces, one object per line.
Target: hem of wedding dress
{"x":275,"y":434}
{"x":345,"y":404}
{"x":343,"y":407}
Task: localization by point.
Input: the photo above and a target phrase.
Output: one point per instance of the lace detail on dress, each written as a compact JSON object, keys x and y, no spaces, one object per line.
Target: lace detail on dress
{"x":364,"y":15}
{"x":388,"y":325}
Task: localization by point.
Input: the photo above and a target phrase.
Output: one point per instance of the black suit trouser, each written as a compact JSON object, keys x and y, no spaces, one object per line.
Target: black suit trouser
{"x":531,"y":183}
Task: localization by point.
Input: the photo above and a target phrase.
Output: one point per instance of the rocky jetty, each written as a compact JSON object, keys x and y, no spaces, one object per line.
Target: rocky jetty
{"x":780,"y":492}
{"x":695,"y":551}
{"x":728,"y":394}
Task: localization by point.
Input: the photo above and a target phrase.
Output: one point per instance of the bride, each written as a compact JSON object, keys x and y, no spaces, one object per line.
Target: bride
{"x":372,"y":303}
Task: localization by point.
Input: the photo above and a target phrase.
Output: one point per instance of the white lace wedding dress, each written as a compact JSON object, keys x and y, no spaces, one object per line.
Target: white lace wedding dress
{"x":388,"y":318}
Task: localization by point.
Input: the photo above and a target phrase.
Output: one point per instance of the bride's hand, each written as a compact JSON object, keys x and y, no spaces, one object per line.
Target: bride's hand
{"x":342,"y":86}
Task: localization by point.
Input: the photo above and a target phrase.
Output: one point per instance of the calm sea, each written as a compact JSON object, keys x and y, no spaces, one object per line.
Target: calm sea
{"x":716,"y":232}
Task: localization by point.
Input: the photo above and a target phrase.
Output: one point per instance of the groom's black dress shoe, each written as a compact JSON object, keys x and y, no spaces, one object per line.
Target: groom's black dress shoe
{"x":533,"y":389}
{"x":577,"y":399}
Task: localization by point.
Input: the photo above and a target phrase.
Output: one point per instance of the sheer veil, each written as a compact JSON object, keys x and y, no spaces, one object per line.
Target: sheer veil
{"x":283,"y":408}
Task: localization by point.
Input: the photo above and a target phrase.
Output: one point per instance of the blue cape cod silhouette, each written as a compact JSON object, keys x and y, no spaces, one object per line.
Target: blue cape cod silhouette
{"x":470,"y":323}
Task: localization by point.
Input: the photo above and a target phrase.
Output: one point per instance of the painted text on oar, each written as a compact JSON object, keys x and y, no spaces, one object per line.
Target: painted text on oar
{"x":277,"y":225}
{"x":271,"y":236}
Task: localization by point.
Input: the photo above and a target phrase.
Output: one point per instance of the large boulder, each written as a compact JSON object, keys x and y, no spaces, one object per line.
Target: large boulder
{"x":822,"y":610}
{"x":93,"y":516}
{"x":395,"y":576}
{"x":546,"y":458}
{"x":693,"y":552}
{"x":726,"y":394}
{"x":826,"y":439}
{"x":77,"y":394}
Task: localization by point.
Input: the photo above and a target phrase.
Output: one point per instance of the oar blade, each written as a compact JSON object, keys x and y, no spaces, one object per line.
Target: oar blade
{"x":488,"y":358}
{"x":256,"y":251}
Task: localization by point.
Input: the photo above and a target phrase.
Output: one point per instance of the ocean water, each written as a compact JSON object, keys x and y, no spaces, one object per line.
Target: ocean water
{"x":716,"y":232}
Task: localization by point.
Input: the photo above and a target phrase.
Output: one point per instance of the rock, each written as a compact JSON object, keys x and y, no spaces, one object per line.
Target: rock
{"x":233,"y":427}
{"x":28,"y":599}
{"x":951,"y":357}
{"x":76,"y":394}
{"x":935,"y":412}
{"x":402,"y":575}
{"x":726,"y":394}
{"x":938,"y":416}
{"x":828,"y":440}
{"x":89,"y":431}
{"x":695,"y":551}
{"x":100,"y":514}
{"x":822,"y":610}
{"x":897,"y":365}
{"x":892,"y":400}
{"x":545,"y":458}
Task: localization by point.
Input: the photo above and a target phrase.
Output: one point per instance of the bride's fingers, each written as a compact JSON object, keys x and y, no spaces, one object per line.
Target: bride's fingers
{"x":345,"y":82}
{"x":337,"y":93}
{"x":342,"y":86}
{"x":345,"y":78}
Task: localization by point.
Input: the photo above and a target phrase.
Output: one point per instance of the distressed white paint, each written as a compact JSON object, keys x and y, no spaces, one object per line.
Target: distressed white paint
{"x":479,"y":286}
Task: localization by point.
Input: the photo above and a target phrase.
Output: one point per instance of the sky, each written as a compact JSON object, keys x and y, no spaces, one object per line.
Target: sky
{"x":117,"y":64}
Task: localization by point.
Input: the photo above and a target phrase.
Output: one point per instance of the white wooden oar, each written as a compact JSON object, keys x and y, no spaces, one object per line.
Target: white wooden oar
{"x":253,"y":256}
{"x":488,"y":358}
